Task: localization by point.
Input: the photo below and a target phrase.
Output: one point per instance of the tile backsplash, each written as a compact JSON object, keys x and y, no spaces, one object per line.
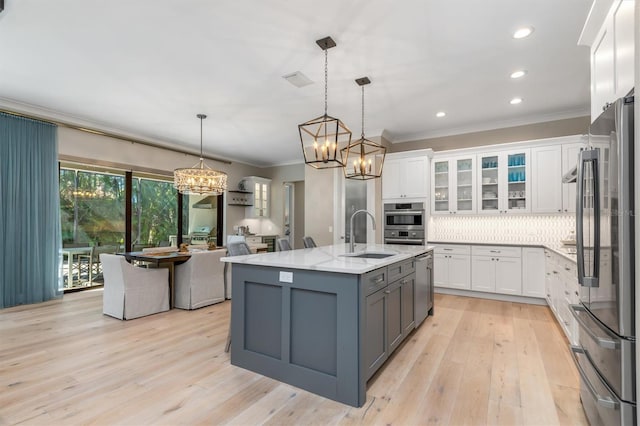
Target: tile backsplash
{"x":533,"y":229}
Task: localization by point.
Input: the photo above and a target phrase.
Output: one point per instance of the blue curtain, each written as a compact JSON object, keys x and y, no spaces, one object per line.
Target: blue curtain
{"x":29,"y":212}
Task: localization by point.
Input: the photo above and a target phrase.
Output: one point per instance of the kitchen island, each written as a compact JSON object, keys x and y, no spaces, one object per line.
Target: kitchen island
{"x":323,"y":319}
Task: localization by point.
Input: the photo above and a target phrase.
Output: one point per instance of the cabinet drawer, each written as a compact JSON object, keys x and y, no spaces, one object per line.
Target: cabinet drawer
{"x":452,"y":249}
{"x":501,"y":251}
{"x":253,"y":240}
{"x":401,"y":269}
{"x":374,"y":281}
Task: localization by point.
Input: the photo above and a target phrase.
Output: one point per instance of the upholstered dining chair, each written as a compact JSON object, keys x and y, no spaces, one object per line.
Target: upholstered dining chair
{"x":200,"y":280}
{"x":132,"y":292}
{"x":239,"y":248}
{"x":283,"y":244}
{"x":308,"y":242}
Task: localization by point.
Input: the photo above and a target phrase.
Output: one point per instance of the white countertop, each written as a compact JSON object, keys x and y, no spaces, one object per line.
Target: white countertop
{"x":329,"y":259}
{"x":564,"y":251}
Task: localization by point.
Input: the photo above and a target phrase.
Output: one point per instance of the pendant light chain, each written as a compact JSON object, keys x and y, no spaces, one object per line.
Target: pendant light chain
{"x":362,"y":134}
{"x":201,"y":118}
{"x":326,"y":78}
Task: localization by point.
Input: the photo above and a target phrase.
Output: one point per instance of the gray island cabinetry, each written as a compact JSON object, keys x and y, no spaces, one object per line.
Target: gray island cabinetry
{"x":322,"y":319}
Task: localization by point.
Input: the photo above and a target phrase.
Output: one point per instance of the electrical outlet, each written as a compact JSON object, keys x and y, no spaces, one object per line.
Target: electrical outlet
{"x":330,"y":228}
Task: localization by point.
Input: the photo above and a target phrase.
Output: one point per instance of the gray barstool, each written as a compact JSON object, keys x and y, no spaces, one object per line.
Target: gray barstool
{"x":308,"y":242}
{"x":283,"y":244}
{"x":239,"y":248}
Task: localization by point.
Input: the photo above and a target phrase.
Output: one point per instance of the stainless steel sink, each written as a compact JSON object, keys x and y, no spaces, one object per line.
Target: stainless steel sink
{"x":369,"y":255}
{"x":373,"y":255}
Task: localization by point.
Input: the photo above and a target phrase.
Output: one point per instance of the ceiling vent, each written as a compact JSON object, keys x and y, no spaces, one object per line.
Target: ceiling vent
{"x":298,"y":79}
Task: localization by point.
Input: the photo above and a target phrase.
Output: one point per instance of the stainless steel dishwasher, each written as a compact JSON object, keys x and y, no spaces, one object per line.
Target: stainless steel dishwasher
{"x":423,"y":302}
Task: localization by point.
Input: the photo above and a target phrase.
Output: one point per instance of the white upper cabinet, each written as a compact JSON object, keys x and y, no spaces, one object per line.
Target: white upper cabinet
{"x":404,"y":178}
{"x":504,"y":182}
{"x":546,"y":187}
{"x":453,"y":185}
{"x":610,"y":34}
{"x":261,"y":188}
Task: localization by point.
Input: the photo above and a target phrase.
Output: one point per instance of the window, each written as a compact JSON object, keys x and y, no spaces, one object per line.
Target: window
{"x":155,"y":212}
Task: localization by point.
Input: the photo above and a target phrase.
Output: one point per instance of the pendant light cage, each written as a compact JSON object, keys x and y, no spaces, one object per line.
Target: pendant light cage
{"x":363,"y":158}
{"x":200,"y":179}
{"x":324,"y":138}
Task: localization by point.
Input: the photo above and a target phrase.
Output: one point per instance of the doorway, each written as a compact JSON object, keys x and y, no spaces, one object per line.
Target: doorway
{"x":293,"y":221}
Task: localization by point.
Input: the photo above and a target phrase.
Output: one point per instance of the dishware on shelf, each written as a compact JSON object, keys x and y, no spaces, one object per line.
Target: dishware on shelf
{"x":486,"y":180}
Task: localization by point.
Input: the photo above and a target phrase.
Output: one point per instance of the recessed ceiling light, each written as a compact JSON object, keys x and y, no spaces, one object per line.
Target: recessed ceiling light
{"x":515,"y":101}
{"x":523,"y":32}
{"x":518,"y":74}
{"x":441,"y":114}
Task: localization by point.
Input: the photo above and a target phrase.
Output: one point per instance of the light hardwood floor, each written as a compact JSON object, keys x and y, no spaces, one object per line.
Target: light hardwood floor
{"x":476,"y":362}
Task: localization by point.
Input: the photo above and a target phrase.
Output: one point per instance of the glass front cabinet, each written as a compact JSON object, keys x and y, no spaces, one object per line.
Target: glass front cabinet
{"x":454,"y":186}
{"x":504,"y":184}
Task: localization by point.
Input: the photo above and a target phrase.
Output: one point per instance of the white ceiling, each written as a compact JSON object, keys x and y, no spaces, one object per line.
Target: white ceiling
{"x":147,"y":67}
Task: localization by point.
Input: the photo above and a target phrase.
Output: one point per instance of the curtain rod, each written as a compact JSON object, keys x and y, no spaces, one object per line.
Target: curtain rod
{"x":114,"y":135}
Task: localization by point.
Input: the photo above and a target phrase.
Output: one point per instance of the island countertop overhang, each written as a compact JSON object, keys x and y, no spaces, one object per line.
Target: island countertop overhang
{"x":331,"y":258}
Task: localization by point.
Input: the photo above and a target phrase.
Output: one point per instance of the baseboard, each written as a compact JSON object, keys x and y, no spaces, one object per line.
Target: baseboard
{"x":492,"y":296}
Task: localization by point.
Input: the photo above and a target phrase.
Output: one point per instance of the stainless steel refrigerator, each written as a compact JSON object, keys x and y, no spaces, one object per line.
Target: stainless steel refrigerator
{"x":605,"y":239}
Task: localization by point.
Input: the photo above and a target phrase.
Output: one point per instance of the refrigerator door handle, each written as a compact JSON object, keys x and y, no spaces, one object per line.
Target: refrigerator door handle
{"x":580,"y":219}
{"x":601,"y":341}
{"x":605,"y":401}
{"x":591,"y":156}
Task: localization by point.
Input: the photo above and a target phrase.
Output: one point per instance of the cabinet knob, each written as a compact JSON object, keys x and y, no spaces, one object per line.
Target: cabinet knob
{"x":387,"y":292}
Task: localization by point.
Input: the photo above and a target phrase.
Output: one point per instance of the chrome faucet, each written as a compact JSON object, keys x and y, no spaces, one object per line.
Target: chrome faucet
{"x":352,"y":236}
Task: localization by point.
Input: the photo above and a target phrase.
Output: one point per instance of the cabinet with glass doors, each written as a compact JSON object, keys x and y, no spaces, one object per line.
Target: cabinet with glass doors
{"x":453,"y":186}
{"x":504,"y":182}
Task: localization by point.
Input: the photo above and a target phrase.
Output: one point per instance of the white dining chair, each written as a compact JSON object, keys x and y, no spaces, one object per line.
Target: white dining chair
{"x":132,"y":292}
{"x":200,"y":280}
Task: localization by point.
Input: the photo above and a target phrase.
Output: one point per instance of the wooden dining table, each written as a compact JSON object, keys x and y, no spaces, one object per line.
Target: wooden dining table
{"x":161,"y":259}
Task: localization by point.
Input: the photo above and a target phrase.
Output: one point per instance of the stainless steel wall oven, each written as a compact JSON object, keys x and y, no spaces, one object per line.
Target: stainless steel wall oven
{"x":404,"y":223}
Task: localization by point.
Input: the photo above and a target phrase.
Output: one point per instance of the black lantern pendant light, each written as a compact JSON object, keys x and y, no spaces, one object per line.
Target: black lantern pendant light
{"x":324,"y":138}
{"x":363,"y":158}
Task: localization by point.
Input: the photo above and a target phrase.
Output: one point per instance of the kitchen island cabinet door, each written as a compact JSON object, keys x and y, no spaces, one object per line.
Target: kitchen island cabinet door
{"x":407,"y":289}
{"x":394,"y":314}
{"x":375,"y":335}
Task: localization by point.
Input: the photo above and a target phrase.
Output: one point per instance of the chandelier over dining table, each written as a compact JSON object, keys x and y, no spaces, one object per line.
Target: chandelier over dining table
{"x":200,"y":179}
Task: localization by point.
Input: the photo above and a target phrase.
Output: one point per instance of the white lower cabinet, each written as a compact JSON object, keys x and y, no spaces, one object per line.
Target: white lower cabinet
{"x":533,"y":276}
{"x":562,"y":290}
{"x":496,"y":269}
{"x":452,"y":266}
